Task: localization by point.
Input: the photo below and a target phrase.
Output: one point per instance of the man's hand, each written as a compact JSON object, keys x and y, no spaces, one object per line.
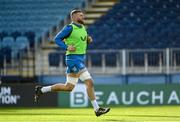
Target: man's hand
{"x":89,"y":39}
{"x":71,"y":48}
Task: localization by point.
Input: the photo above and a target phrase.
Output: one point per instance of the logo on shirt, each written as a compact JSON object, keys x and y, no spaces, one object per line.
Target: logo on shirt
{"x":74,"y":69}
{"x":84,"y":39}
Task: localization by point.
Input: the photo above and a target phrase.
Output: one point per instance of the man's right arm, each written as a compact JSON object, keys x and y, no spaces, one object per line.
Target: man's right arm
{"x":64,"y":33}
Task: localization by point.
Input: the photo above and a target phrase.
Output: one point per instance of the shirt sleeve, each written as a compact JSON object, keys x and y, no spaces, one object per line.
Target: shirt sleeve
{"x":64,"y":33}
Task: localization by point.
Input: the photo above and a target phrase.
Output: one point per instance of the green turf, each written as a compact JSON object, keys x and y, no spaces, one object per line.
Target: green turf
{"x":117,"y":114}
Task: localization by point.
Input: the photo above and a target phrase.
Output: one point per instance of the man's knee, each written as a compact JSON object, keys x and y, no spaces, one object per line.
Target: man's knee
{"x":89,"y":83}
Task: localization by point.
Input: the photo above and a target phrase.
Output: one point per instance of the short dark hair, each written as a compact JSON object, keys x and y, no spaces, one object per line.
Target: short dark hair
{"x":75,"y":11}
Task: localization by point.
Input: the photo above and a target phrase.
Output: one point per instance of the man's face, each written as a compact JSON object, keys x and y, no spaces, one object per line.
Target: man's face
{"x":79,"y":17}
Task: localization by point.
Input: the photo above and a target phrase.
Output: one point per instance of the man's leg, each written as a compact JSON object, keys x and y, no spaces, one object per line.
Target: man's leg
{"x":72,"y":79}
{"x":58,"y":87}
{"x":86,"y":77}
{"x":91,"y":93}
{"x":90,"y":89}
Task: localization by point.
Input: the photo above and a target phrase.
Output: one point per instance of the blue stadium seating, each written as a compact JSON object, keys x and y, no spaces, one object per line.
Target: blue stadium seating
{"x":133,"y":24}
{"x":36,"y":16}
{"x":15,"y":46}
{"x":54,"y":59}
{"x":138,"y":24}
{"x":23,"y":21}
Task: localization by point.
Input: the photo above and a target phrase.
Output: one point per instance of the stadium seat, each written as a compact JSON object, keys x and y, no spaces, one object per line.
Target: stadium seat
{"x":54,"y":59}
{"x":7,"y":42}
{"x":1,"y":60}
{"x":7,"y":51}
{"x":22,"y":42}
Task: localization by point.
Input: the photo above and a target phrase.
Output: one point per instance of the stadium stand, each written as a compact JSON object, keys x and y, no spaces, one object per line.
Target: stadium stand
{"x":23,"y":23}
{"x":137,"y":24}
{"x":129,"y":24}
{"x":38,"y":16}
{"x":133,"y":24}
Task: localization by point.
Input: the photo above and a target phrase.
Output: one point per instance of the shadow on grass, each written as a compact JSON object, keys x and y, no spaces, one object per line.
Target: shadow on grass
{"x":169,"y":116}
{"x":85,"y":114}
{"x":114,"y":120}
{"x":150,"y":116}
{"x":37,"y":114}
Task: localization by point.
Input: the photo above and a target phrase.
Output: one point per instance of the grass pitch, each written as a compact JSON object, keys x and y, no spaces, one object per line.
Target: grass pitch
{"x":116,"y":114}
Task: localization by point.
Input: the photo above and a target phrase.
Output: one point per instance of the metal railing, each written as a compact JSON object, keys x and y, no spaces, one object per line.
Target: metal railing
{"x":20,"y":65}
{"x":136,"y":61}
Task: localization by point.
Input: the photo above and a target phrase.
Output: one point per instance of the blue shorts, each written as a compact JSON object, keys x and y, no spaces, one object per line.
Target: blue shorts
{"x":75,"y":63}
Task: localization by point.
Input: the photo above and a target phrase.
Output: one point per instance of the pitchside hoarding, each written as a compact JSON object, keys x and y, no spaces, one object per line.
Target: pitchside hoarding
{"x":123,"y":95}
{"x":22,"y":95}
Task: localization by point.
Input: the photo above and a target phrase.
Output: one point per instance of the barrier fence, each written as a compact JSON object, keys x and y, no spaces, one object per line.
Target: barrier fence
{"x":127,"y":61}
{"x":134,"y":61}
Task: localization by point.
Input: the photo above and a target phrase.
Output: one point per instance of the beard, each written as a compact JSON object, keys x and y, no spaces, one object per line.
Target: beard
{"x":80,"y":21}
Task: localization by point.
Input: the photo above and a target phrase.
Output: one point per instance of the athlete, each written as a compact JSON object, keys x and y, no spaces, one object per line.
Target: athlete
{"x":74,"y":39}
